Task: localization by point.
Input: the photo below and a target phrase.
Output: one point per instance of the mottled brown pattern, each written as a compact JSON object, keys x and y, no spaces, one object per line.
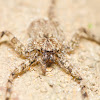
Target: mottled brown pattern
{"x":14,"y":40}
{"x":47,"y":47}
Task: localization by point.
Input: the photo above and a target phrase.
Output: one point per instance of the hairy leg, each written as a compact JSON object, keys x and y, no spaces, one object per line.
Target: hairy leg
{"x":81,"y":33}
{"x":69,"y":69}
{"x":90,"y":35}
{"x":23,"y":68}
{"x":51,"y":10}
{"x":18,"y":46}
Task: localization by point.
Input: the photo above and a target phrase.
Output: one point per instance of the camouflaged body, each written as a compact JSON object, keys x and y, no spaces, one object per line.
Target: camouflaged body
{"x":45,"y":35}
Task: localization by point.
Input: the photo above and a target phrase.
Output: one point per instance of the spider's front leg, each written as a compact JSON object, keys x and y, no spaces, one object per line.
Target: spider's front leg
{"x":81,"y":33}
{"x":23,"y":68}
{"x":18,"y":46}
{"x":71,"y":70}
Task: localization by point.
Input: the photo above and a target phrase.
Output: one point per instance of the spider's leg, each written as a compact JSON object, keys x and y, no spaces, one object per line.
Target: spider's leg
{"x":23,"y":68}
{"x":89,"y":35}
{"x":68,"y":68}
{"x":81,"y":33}
{"x":51,"y":10}
{"x":18,"y":46}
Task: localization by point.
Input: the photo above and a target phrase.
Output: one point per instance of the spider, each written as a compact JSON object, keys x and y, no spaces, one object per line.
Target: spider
{"x":47,"y":47}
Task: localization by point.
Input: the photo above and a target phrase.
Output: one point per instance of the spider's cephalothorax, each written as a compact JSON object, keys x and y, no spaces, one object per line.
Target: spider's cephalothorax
{"x":47,"y":47}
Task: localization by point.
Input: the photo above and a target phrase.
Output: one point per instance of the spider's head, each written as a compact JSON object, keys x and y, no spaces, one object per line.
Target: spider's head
{"x":48,"y":58}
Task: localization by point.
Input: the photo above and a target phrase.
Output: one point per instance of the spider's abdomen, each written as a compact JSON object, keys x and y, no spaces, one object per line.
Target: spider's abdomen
{"x":45,"y":35}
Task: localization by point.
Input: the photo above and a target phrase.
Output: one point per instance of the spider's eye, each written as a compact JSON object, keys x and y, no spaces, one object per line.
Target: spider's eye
{"x":48,"y":56}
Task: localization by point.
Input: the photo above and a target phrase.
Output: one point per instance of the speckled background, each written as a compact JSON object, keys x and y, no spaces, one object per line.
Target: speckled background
{"x":16,"y":15}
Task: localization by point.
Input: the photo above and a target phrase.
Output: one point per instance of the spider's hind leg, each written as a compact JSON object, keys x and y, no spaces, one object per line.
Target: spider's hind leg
{"x":18,"y":46}
{"x":81,"y":33}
